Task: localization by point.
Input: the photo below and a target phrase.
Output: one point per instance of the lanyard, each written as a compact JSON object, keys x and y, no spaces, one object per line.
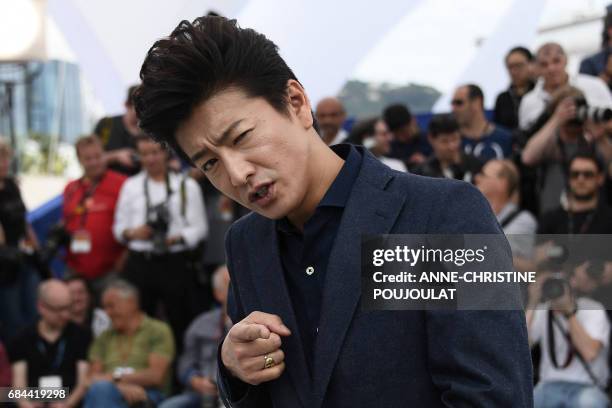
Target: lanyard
{"x":59,"y":355}
{"x":81,"y":208}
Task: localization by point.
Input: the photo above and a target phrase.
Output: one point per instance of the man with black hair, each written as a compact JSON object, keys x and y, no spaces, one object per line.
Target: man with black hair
{"x":224,"y":97}
{"x":519,"y":61}
{"x":448,"y":159}
{"x":480,"y":137}
{"x":584,"y":212}
{"x":117,"y":135}
{"x":161,"y":218}
{"x":409,"y":144}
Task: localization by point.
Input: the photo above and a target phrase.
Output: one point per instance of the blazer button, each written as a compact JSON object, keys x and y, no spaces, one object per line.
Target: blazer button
{"x":310,"y":270}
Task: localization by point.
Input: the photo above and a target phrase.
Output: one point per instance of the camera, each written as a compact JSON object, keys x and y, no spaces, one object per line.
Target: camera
{"x":585,"y":112}
{"x":57,"y":237}
{"x":158,"y":219}
{"x":553,"y":288}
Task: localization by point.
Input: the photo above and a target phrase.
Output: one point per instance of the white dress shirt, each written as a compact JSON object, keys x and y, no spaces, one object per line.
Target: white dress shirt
{"x":131,"y":210}
{"x":532,"y":105}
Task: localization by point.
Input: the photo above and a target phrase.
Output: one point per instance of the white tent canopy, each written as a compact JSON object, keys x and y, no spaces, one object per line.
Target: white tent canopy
{"x":435,"y":42}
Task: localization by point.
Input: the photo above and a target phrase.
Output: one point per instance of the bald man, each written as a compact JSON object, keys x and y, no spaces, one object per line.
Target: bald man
{"x":53,"y":352}
{"x":331,"y":115}
{"x":551,"y":62}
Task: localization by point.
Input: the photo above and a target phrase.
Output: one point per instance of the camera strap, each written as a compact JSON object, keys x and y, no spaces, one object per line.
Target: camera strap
{"x":81,"y":208}
{"x":572,"y":349}
{"x":182,"y":190}
{"x":148,"y":199}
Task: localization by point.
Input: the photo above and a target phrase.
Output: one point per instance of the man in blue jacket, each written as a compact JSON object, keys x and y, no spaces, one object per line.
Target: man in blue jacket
{"x":226,"y":101}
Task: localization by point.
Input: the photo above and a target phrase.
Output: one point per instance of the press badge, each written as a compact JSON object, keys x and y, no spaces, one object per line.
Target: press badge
{"x":81,"y":242}
{"x":50,"y":381}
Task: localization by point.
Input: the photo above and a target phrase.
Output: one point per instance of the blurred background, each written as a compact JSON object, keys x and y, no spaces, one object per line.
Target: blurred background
{"x":64,"y":64}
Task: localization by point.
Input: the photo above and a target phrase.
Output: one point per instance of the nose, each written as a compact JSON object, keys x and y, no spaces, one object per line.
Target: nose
{"x":238,"y":168}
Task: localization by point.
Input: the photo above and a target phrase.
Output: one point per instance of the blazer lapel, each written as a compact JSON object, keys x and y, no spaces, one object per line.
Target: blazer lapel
{"x":271,"y":289}
{"x":370,"y":210}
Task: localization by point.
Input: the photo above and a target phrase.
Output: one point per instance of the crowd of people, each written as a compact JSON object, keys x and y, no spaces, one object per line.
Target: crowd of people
{"x":139,"y":310}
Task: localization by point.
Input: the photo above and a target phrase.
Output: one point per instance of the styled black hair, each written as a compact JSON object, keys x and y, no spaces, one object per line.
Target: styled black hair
{"x":521,"y":50}
{"x":396,"y":116}
{"x":442,"y":124}
{"x":474,"y":92}
{"x":588,"y":154}
{"x":198,"y":60}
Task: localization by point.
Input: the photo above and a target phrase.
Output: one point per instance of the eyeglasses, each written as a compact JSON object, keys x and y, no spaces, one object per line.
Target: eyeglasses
{"x":58,"y":308}
{"x":457,"y":102}
{"x":587,"y":174}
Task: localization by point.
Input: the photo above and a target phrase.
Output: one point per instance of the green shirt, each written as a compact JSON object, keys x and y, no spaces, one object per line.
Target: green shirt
{"x":114,"y":349}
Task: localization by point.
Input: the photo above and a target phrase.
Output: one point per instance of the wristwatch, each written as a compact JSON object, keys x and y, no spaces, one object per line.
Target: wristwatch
{"x":572,"y":313}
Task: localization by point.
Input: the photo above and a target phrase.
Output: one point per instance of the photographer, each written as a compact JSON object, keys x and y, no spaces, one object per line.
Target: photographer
{"x":87,"y":215}
{"x":572,"y":126}
{"x":574,"y":335}
{"x":162,"y":219}
{"x":18,"y":280}
{"x":584,"y":212}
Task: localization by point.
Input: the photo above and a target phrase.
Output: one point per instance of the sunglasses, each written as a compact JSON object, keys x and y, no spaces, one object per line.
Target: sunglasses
{"x":457,"y":102}
{"x":587,"y":174}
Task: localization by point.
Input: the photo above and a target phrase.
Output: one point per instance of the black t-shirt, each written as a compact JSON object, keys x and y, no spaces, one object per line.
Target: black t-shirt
{"x":46,"y":359}
{"x":115,"y":136}
{"x":598,"y":221}
{"x":12,"y":212}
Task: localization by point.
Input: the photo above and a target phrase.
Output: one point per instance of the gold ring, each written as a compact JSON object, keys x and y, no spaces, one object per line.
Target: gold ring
{"x":268,"y":361}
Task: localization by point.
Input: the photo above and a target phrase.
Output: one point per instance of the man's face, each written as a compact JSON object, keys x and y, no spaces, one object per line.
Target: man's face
{"x":55,"y":308}
{"x":130,"y":115}
{"x":382,"y":137}
{"x":463,"y":108}
{"x":488,"y":181}
{"x":80,"y":296}
{"x":152,"y":156}
{"x":330,"y":115}
{"x":91,"y":158}
{"x":120,"y":309}
{"x":446,"y":146}
{"x":584,"y":179}
{"x":551,"y":66}
{"x":518,"y":68}
{"x":251,"y":152}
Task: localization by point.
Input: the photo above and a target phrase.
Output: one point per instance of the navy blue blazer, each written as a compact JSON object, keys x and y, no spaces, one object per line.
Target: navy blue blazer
{"x":382,"y":358}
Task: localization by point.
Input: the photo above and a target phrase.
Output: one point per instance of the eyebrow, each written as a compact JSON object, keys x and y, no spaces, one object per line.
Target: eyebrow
{"x":226,"y":133}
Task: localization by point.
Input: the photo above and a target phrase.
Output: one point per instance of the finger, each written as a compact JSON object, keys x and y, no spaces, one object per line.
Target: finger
{"x":266,"y":375}
{"x":258,"y":363}
{"x":258,"y":347}
{"x":246,"y":332}
{"x":273,"y":322}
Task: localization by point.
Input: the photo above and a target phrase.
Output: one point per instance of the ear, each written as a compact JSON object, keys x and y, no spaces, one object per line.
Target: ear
{"x":299,"y":105}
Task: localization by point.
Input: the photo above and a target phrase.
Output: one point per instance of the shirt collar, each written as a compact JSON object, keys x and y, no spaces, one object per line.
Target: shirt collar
{"x":338,"y":193}
{"x":340,"y":190}
{"x":507,"y":210}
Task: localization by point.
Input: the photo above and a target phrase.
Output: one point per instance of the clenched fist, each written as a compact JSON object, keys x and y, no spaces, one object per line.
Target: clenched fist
{"x":249,"y":342}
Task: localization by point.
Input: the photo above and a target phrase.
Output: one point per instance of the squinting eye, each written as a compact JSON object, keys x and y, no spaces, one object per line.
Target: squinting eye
{"x":209,"y":164}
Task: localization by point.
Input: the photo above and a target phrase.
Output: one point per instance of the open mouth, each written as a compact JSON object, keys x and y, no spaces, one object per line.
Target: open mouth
{"x":262,"y":195}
